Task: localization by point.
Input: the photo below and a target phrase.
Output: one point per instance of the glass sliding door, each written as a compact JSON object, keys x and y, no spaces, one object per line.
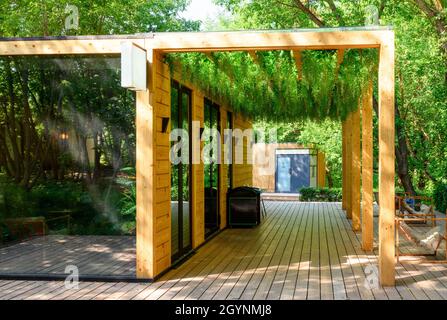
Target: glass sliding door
{"x":212,"y":172}
{"x":292,"y":171}
{"x":181,"y":174}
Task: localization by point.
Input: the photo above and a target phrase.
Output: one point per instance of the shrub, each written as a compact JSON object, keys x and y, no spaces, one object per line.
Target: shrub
{"x":321,"y":194}
{"x":95,"y":209}
{"x":440,"y":197}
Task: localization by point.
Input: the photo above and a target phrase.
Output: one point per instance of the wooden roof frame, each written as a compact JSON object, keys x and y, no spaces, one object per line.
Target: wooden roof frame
{"x":314,"y":39}
{"x":199,"y":42}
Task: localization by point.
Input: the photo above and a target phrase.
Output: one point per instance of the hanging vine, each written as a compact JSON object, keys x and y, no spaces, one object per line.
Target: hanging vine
{"x":270,"y":88}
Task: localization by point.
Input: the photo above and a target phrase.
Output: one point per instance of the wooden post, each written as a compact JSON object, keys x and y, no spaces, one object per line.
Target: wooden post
{"x":367,"y":170}
{"x":344,"y":188}
{"x":356,"y":168}
{"x":321,"y":170}
{"x":223,"y":171}
{"x":153,"y":229}
{"x":145,"y":136}
{"x":349,"y":166}
{"x":386,"y":162}
{"x":198,"y":195}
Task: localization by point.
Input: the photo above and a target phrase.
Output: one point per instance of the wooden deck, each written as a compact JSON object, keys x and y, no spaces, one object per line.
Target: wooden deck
{"x":49,"y":256}
{"x":302,"y":251}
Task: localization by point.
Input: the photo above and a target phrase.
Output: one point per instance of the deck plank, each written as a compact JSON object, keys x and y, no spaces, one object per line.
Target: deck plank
{"x":263,"y":263}
{"x":248,"y":244}
{"x":301,"y":251}
{"x":235,"y":279}
{"x":293,"y":267}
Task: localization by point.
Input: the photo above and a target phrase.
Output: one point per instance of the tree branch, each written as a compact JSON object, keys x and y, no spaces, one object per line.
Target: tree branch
{"x":382,"y":7}
{"x":439,"y":21}
{"x":285,"y":4}
{"x":439,"y":5}
{"x":336,"y":12}
{"x":424,"y":6}
{"x":309,"y":13}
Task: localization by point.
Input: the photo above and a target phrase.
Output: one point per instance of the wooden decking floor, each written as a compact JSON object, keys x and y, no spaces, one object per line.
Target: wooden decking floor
{"x":301,"y":251}
{"x":50,"y":255}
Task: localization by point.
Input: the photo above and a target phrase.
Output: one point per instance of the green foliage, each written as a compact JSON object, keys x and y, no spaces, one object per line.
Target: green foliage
{"x":323,"y":135}
{"x":128,"y":203}
{"x":421,"y":67}
{"x":270,"y":89}
{"x":78,"y":95}
{"x":47,"y":18}
{"x":321,"y":194}
{"x":440,"y":197}
{"x":100,"y":209}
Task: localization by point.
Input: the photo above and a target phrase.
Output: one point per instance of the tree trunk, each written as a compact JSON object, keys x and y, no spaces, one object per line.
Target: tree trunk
{"x":97,"y":157}
{"x":330,"y":180}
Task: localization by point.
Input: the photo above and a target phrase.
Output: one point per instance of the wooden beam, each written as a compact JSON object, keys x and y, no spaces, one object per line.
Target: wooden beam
{"x":386,"y":163}
{"x":297,"y":55}
{"x":349,"y":166}
{"x":266,"y":41}
{"x":145,"y":136}
{"x":63,"y":47}
{"x":367,"y":169}
{"x":202,"y":41}
{"x":356,"y":169}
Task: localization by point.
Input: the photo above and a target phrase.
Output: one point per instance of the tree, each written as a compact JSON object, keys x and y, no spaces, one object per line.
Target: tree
{"x":420,"y":69}
{"x":41,"y":98}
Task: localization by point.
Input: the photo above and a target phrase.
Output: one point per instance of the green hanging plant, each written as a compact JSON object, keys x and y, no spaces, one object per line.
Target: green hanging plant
{"x":270,"y":87}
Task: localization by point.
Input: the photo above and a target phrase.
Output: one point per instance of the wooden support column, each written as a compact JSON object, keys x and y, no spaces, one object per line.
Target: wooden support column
{"x":344,"y":163}
{"x":321,"y":170}
{"x":145,"y":140}
{"x":153,"y":221}
{"x":386,"y":162}
{"x":349,"y":166}
{"x":367,"y":169}
{"x":198,"y":195}
{"x":356,"y":169}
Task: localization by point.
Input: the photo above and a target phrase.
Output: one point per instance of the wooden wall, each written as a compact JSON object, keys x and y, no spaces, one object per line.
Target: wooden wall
{"x":243,"y":173}
{"x":267,"y":181}
{"x":154,"y":170}
{"x":162,"y":183}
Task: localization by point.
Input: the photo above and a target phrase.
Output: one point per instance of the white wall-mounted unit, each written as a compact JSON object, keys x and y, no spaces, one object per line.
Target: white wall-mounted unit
{"x":133,"y":67}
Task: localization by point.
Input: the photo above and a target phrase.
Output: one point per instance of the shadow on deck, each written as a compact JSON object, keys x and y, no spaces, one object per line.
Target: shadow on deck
{"x":301,"y":251}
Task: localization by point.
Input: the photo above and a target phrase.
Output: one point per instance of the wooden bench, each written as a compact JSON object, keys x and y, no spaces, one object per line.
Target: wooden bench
{"x":430,"y":240}
{"x":26,"y":227}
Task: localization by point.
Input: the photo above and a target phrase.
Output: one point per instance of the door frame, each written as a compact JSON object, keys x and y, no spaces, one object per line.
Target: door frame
{"x":290,"y":152}
{"x":210,"y":104}
{"x":184,"y":250}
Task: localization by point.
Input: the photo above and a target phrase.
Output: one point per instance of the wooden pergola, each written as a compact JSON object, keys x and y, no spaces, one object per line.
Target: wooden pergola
{"x":357,"y":164}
